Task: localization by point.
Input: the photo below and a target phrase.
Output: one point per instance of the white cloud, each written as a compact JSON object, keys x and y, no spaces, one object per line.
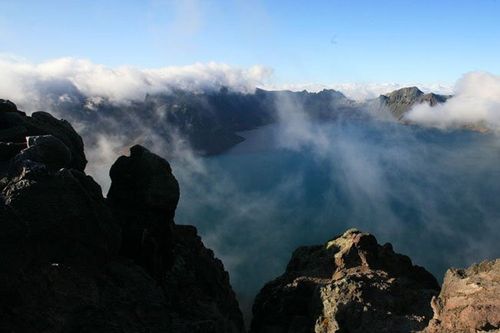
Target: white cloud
{"x":476,"y":101}
{"x":30,"y":84}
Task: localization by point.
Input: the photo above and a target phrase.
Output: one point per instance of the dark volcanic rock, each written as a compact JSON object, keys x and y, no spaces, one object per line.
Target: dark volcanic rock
{"x":143,"y":196}
{"x":46,"y":149}
{"x":469,"y":301}
{"x":15,"y":126}
{"x":65,"y":215}
{"x":63,"y":264}
{"x":7,"y":106}
{"x":350,"y":284}
{"x":198,"y":287}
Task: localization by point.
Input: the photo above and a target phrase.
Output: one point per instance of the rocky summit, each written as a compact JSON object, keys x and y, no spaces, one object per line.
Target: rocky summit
{"x":72,"y":261}
{"x":350,"y":284}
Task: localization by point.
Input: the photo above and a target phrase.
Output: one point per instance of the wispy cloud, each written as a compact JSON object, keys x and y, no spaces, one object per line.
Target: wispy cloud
{"x":476,"y":102}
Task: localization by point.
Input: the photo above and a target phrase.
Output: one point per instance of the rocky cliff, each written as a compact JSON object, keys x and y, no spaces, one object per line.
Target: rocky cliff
{"x":72,"y":261}
{"x":469,"y":301}
{"x":350,"y":284}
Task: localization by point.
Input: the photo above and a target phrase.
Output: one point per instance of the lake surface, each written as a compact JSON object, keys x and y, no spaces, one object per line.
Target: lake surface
{"x":433,"y":194}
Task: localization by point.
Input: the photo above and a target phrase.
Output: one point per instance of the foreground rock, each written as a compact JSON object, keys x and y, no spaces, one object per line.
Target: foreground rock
{"x":469,"y":300}
{"x":72,"y":262}
{"x":15,"y":127}
{"x":143,"y":196}
{"x":351,"y":284}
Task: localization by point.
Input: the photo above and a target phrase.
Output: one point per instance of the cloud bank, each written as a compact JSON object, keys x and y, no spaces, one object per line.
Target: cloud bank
{"x":476,"y":102}
{"x":30,"y":85}
{"x":34,"y":85}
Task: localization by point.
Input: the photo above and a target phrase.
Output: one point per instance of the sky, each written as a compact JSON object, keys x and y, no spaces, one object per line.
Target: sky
{"x":320,"y":42}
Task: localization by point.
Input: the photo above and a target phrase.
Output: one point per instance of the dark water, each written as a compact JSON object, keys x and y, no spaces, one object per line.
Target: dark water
{"x":433,"y":194}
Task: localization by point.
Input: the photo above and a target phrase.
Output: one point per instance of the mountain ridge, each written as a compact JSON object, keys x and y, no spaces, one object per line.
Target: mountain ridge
{"x":210,"y":121}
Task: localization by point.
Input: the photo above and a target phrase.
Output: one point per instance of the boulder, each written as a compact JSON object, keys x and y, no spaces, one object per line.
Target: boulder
{"x":15,"y":126}
{"x":7,"y":106}
{"x":350,"y":284}
{"x":46,"y":149}
{"x":469,"y":301}
{"x":144,"y":181}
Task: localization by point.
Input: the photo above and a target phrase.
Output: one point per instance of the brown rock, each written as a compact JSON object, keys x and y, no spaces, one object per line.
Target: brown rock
{"x":350,"y":284}
{"x":469,"y":300}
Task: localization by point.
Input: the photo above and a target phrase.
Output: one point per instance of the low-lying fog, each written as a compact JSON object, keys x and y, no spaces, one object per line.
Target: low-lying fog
{"x":433,"y":194}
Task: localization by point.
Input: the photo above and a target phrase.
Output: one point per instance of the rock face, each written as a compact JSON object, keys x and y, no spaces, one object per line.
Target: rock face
{"x":70,"y":261}
{"x":143,"y":197}
{"x":350,"y":284}
{"x":200,"y":294}
{"x":469,"y":300}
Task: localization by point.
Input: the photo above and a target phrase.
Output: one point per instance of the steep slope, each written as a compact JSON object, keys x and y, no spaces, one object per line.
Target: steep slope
{"x":72,"y":262}
{"x":350,"y":284}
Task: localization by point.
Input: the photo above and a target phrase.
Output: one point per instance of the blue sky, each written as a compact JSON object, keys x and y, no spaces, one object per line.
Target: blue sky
{"x":303,"y":41}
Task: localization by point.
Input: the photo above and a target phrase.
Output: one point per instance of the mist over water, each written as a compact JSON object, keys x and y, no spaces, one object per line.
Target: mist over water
{"x":431,"y":191}
{"x":433,"y":194}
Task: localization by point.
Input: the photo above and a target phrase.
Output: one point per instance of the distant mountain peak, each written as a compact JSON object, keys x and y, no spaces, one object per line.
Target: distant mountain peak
{"x":407,"y":91}
{"x":402,"y":100}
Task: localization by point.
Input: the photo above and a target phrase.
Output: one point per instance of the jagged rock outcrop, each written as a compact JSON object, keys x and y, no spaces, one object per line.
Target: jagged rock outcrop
{"x":143,"y":196}
{"x":469,"y":301}
{"x":63,"y":264}
{"x":350,"y":284}
{"x":402,"y":100}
